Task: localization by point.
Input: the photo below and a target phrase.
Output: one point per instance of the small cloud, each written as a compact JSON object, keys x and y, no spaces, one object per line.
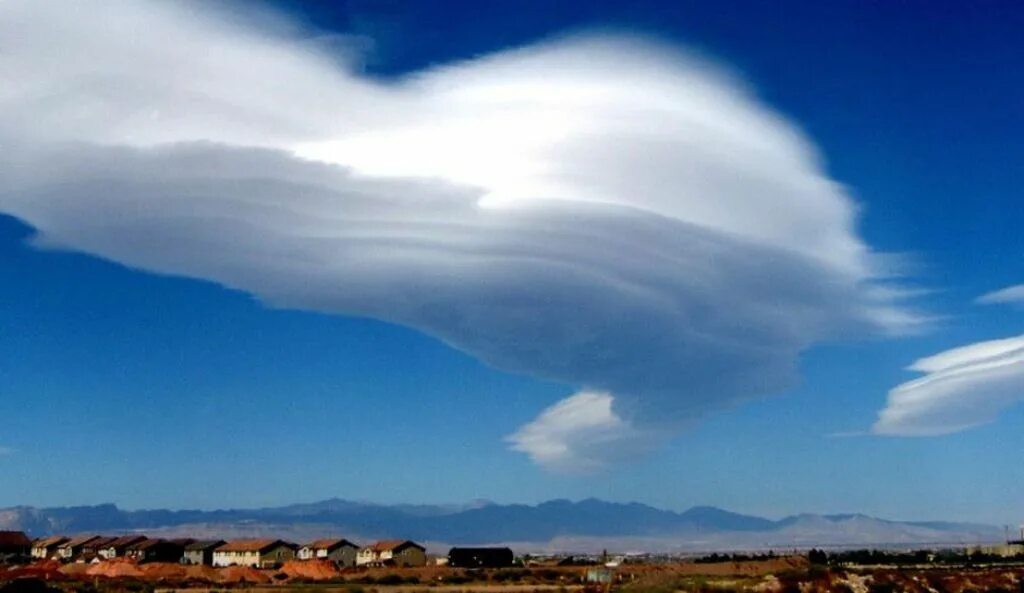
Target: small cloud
{"x":579,"y":434}
{"x":1012,"y":295}
{"x":6,"y":451}
{"x":962,"y":388}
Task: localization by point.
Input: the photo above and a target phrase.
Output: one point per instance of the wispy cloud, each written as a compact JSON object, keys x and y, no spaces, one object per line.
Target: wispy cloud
{"x":5,"y":451}
{"x":603,"y":211}
{"x":1008,"y":295}
{"x":962,"y":388}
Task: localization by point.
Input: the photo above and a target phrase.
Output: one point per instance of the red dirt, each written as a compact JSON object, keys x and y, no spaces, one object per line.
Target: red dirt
{"x":243,"y":574}
{"x":316,"y":570}
{"x":48,"y":570}
{"x":202,"y":573}
{"x":75,"y":569}
{"x":163,"y":571}
{"x":115,"y":569}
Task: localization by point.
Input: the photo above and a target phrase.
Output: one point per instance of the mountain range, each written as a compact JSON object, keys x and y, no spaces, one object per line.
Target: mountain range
{"x":556,"y":525}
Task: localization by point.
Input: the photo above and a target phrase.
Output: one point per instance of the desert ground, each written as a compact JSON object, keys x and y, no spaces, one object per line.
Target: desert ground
{"x":784,"y":574}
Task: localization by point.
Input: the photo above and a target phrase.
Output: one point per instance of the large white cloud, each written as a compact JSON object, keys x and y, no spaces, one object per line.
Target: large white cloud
{"x":601,"y":211}
{"x":962,"y":388}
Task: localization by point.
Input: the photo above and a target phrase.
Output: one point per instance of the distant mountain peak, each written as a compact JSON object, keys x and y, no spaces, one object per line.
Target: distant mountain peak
{"x":589,"y":522}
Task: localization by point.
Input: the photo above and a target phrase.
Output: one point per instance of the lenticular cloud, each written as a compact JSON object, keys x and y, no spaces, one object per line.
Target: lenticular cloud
{"x":962,"y":388}
{"x":601,"y":211}
{"x":1013,"y":295}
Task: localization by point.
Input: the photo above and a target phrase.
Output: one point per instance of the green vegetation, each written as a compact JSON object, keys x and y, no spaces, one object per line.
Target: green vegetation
{"x":912,"y":558}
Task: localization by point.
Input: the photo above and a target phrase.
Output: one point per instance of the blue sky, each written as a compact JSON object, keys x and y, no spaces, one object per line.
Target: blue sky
{"x":122,"y":381}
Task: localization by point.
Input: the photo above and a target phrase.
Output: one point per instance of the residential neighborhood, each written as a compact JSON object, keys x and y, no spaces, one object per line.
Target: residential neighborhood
{"x":252,"y":553}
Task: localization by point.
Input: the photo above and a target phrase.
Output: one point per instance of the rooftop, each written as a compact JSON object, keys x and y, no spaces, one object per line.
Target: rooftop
{"x":390,"y":545}
{"x":147,"y":544}
{"x":100,"y":542}
{"x":328,"y":544}
{"x":204,"y":545}
{"x":251,"y":545}
{"x":125,"y":541}
{"x":14,"y":538}
{"x":47,"y":542}
{"x":80,"y":540}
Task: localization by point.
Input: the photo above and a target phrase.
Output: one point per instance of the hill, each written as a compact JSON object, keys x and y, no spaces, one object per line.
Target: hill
{"x":553,"y":525}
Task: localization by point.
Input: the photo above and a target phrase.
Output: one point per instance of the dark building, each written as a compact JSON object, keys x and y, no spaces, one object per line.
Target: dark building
{"x":156,"y":550}
{"x":480,"y":557}
{"x":14,"y":543}
{"x":201,"y":552}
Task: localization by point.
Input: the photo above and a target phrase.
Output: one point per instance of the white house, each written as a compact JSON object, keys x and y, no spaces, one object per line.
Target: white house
{"x":392,"y":553}
{"x":46,"y":548}
{"x":340,"y":551}
{"x":257,"y":553}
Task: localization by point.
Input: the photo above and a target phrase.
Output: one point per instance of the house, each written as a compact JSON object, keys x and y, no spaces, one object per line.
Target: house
{"x":183,"y":541}
{"x":155,"y":550}
{"x":340,"y":551}
{"x":258,"y":553}
{"x":91,"y":550}
{"x":14,"y":543}
{"x":392,"y":553}
{"x":480,"y":557}
{"x":201,"y":553}
{"x":74,"y":546}
{"x":118,"y":547}
{"x":46,"y":547}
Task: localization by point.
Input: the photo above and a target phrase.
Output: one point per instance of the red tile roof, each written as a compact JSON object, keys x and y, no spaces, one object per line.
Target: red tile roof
{"x":81,"y":540}
{"x":183,"y":541}
{"x":145,"y":544}
{"x":99,"y":544}
{"x":49,"y":542}
{"x":252,"y":545}
{"x":391,"y":544}
{"x":125,"y":540}
{"x":205,"y":545}
{"x":14,"y":539}
{"x":328,"y":544}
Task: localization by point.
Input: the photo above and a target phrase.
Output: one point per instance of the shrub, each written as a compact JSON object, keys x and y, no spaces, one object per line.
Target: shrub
{"x":391,"y":579}
{"x":456,"y":579}
{"x":882,"y":588}
{"x":511,"y":574}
